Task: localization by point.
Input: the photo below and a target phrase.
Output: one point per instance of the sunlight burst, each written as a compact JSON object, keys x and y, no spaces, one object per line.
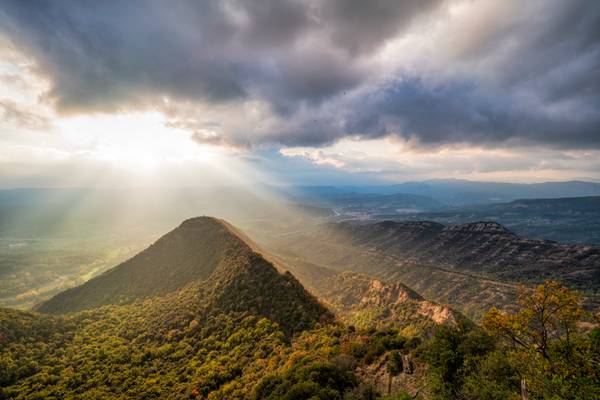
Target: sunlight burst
{"x":136,"y":141}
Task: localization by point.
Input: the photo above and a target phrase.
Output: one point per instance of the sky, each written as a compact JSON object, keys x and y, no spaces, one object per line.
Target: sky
{"x":298,"y":92}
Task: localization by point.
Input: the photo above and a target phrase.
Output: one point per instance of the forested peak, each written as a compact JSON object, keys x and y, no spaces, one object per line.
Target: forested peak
{"x":189,"y":253}
{"x":203,"y":223}
{"x":249,"y":284}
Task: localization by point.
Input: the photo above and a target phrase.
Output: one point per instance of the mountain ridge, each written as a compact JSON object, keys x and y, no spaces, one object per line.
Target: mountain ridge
{"x":470,"y":267}
{"x":484,"y":247}
{"x":203,"y":258}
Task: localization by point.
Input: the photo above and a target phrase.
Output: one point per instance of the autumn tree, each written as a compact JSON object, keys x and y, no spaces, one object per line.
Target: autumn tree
{"x":555,"y":359}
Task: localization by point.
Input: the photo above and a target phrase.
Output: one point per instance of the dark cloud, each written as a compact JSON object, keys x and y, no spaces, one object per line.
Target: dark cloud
{"x":531,"y":76}
{"x":443,"y":114}
{"x":110,"y":52}
{"x":100,"y":55}
{"x":462,"y":113}
{"x":363,"y":26}
{"x":550,"y":49}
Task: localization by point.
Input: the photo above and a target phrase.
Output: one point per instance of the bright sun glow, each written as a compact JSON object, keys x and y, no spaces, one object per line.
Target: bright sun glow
{"x":139,"y":141}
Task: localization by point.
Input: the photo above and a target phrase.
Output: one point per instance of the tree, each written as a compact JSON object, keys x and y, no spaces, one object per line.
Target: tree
{"x":554,"y":358}
{"x":547,"y":314}
{"x":449,"y":356}
{"x":394,"y":367}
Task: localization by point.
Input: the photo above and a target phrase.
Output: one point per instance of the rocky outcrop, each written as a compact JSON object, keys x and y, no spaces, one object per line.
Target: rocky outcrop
{"x":364,"y":301}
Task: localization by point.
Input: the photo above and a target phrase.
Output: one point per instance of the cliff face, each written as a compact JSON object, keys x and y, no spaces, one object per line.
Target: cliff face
{"x":364,"y":301}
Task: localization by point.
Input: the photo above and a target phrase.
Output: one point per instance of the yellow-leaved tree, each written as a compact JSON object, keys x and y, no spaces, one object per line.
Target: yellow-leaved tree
{"x":545,"y":343}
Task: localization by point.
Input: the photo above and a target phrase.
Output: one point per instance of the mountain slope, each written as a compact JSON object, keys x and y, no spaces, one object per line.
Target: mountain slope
{"x":470,"y":267}
{"x":486,"y":248}
{"x":188,"y":253}
{"x":203,"y":267}
{"x":241,"y":285}
{"x":365,"y":302}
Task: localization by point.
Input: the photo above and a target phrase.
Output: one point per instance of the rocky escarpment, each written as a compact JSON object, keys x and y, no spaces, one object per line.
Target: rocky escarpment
{"x":484,"y":248}
{"x":364,"y":301}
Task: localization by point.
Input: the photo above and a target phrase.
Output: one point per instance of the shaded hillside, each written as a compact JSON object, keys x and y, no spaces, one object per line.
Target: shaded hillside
{"x":484,"y":248}
{"x":190,"y":252}
{"x":241,"y":285}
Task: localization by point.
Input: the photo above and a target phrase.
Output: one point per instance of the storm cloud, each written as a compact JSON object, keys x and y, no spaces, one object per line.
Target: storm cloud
{"x":298,"y":73}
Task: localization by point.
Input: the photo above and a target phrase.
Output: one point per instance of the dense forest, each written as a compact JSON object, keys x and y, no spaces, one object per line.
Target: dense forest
{"x":149,"y":350}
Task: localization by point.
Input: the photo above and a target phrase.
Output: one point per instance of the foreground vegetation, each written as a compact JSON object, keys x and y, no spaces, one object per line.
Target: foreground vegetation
{"x":148,"y":350}
{"x":537,"y":352}
{"x":111,"y":354}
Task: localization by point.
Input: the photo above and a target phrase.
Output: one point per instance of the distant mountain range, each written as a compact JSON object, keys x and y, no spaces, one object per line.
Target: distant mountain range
{"x":82,"y":212}
{"x":454,"y":192}
{"x":367,"y":204}
{"x":569,"y":220}
{"x":544,"y":211}
{"x":463,"y":192}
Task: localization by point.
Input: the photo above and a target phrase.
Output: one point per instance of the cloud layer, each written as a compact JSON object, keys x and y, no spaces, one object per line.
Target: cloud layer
{"x":308,"y":73}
